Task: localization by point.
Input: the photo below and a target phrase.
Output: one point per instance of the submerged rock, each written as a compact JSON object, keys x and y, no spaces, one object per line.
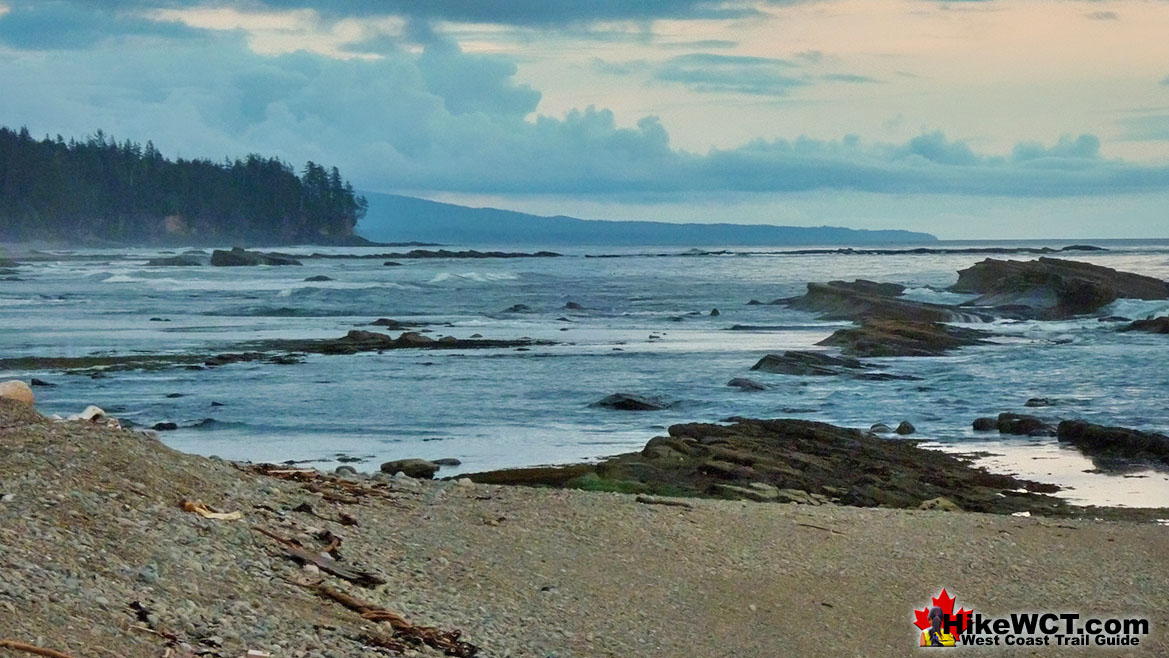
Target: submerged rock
{"x":1151,"y":326}
{"x":238,"y":257}
{"x":1052,"y":288}
{"x":318,"y":278}
{"x":747,"y":384}
{"x":631,"y":402}
{"x":803,"y":363}
{"x":874,"y":338}
{"x":185,"y":260}
{"x":905,"y":428}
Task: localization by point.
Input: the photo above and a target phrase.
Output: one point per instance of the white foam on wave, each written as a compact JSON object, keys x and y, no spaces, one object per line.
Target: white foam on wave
{"x":478,"y":277}
{"x":285,"y":288}
{"x":1137,"y":309}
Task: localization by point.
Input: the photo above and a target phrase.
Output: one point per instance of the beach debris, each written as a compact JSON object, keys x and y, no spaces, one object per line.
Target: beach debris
{"x":653,"y":500}
{"x":1021,"y":514}
{"x":197,"y":507}
{"x":28,"y":648}
{"x":17,"y":390}
{"x":94,"y":415}
{"x":819,"y":527}
{"x":405,"y":633}
{"x":327,"y":564}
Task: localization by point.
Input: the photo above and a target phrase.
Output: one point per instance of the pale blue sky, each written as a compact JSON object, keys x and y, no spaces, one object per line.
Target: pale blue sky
{"x":968,"y":119}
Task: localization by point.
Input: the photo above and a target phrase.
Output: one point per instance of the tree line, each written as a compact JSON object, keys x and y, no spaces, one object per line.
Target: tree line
{"x":99,"y":190}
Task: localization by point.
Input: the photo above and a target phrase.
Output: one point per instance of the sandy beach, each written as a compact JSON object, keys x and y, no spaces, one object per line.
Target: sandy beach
{"x":100,"y":559}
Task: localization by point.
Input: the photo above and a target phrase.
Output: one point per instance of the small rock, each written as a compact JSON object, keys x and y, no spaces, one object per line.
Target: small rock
{"x":165,"y":427}
{"x":880,"y":428}
{"x":714,"y":313}
{"x":317,"y":278}
{"x":940,"y":503}
{"x":905,"y":428}
{"x":465,"y":483}
{"x":573,"y":306}
{"x":345,"y":470}
{"x":1039,"y":402}
{"x":41,"y":383}
{"x":390,"y":263}
{"x":448,"y":461}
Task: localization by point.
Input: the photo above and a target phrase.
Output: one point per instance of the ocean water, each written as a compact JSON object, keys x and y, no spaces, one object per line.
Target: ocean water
{"x":646,"y":328}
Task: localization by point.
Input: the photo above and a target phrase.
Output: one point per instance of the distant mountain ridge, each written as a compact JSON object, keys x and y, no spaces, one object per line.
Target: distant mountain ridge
{"x":397,"y":218}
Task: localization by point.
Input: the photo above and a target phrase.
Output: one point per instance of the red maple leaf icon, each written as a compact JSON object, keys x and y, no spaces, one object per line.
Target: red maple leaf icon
{"x":946,"y":603}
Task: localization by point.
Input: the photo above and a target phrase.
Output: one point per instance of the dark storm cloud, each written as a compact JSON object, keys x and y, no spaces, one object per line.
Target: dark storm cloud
{"x":58,"y":24}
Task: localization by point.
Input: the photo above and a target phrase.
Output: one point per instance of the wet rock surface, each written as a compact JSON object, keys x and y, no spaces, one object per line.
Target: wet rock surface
{"x":1052,"y":288}
{"x":1150,"y":326}
{"x":824,"y":462}
{"x":877,"y":338}
{"x":1115,"y":443}
{"x":861,"y":299}
{"x":631,"y":402}
{"x":239,"y":257}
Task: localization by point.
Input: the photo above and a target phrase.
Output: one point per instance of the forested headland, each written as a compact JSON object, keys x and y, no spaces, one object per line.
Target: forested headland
{"x":100,"y":191}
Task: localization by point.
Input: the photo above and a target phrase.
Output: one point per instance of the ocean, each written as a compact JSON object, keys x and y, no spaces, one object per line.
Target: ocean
{"x":645,"y":327}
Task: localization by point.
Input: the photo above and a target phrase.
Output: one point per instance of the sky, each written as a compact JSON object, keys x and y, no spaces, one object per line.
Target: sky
{"x":969,"y":119}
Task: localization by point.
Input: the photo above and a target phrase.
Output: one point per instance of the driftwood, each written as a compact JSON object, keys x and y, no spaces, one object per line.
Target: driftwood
{"x":328,"y":565}
{"x":650,"y":500}
{"x":28,"y":648}
{"x":404,"y":631}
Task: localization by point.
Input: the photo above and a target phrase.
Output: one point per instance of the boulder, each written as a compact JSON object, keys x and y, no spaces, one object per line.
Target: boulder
{"x":905,"y":428}
{"x":714,"y":313}
{"x":630,"y":402}
{"x":1151,"y":326}
{"x":18,"y":391}
{"x":1052,"y":288}
{"x":880,"y":428}
{"x":860,"y":300}
{"x":745,"y":384}
{"x":165,"y":427}
{"x":986,"y":424}
{"x":414,"y":339}
{"x":387,"y":323}
{"x":1115,"y":442}
{"x":415,"y":468}
{"x":803,"y":363}
{"x":877,"y":337}
{"x":41,"y":383}
{"x":1022,"y":424}
{"x":369,"y":338}
{"x":239,"y":257}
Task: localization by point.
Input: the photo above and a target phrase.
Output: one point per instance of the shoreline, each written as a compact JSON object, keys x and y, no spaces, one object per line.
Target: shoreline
{"x":95,"y":529}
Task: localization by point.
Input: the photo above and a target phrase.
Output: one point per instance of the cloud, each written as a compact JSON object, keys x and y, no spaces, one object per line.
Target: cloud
{"x":447,"y":121}
{"x":1150,"y":127}
{"x":1165,"y":81}
{"x":849,"y":77}
{"x":1103,"y":15}
{"x":62,"y":25}
{"x":705,"y":72}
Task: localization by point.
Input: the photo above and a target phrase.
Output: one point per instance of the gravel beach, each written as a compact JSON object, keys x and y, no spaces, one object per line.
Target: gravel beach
{"x":98,"y":558}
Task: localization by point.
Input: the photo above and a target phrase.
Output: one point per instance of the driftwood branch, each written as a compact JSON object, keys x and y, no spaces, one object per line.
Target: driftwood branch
{"x":819,"y":527}
{"x":326,"y":564}
{"x":405,"y":632}
{"x":28,"y":648}
{"x":651,"y":500}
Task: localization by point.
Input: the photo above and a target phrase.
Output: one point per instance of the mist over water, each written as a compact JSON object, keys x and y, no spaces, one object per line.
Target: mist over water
{"x":645,"y":328}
